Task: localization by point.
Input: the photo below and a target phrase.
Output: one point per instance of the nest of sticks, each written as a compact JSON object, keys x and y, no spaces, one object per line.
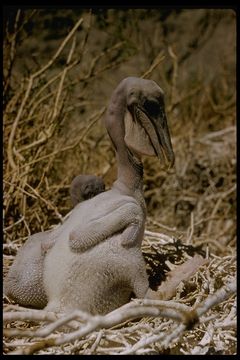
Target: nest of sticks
{"x":191,"y":210}
{"x":200,"y":319}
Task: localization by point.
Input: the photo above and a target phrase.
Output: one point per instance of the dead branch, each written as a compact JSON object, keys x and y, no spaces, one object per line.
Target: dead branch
{"x":59,"y":91}
{"x":180,"y":273}
{"x":132,"y":310}
{"x":174,"y":76}
{"x":158,"y":59}
{"x":29,"y":87}
{"x":162,"y":238}
{"x":95,"y":118}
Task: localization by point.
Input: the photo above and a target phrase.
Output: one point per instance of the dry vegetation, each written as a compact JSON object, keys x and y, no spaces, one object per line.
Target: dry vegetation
{"x":60,"y":67}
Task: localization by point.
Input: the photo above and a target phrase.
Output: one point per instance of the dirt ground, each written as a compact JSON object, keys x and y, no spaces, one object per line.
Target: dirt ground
{"x":56,"y":90}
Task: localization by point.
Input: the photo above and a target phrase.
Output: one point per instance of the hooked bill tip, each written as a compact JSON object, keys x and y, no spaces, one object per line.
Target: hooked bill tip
{"x":168,"y":159}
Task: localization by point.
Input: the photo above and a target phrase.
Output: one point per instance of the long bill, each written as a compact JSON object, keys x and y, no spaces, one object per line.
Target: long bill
{"x":156,"y":129}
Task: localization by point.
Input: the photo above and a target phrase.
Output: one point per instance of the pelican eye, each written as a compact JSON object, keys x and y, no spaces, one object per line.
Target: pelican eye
{"x":152,"y":108}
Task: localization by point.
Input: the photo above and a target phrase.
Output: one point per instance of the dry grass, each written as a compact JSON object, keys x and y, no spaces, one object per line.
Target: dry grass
{"x":53,"y":132}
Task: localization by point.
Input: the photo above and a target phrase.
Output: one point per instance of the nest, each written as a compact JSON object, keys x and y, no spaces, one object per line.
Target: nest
{"x":191,"y":209}
{"x":142,"y":326}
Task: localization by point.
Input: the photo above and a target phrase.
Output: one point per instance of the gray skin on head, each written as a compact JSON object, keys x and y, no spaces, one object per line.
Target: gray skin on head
{"x":85,"y":187}
{"x":24,"y":282}
{"x":96,"y":264}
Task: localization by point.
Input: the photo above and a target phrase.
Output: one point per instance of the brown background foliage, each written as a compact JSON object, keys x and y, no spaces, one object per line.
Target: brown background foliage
{"x":197,"y":72}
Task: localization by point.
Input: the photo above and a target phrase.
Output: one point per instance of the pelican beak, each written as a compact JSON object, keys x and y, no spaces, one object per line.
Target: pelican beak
{"x":165,"y":144}
{"x":156,"y":128}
